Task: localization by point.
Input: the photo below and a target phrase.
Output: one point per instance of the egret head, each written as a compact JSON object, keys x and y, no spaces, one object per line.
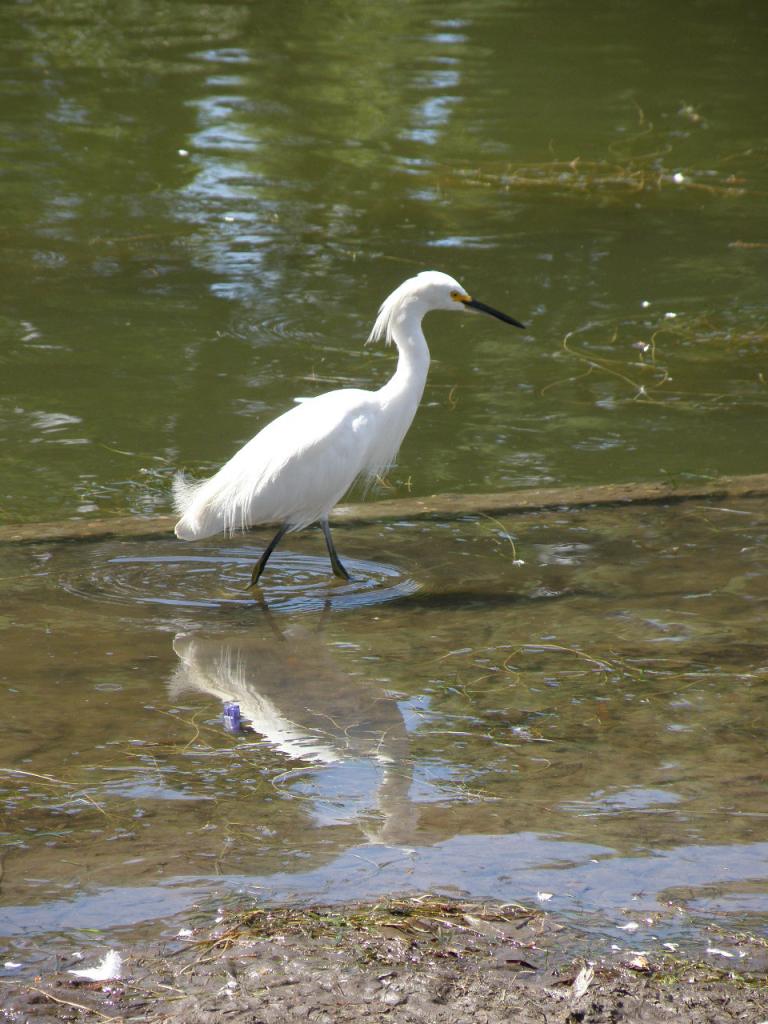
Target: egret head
{"x":429,"y":290}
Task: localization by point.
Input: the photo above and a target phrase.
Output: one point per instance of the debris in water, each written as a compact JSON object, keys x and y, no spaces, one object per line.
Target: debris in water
{"x":232,"y":720}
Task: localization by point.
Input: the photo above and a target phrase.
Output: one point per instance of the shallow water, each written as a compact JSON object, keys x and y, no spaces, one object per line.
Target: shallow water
{"x":589,"y":724}
{"x":203,"y":207}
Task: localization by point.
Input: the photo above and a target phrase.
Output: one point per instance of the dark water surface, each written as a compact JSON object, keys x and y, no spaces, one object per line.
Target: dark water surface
{"x":203,"y":206}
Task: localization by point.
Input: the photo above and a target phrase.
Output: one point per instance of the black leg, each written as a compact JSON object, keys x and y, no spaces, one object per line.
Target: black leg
{"x":258,"y":569}
{"x":338,"y":568}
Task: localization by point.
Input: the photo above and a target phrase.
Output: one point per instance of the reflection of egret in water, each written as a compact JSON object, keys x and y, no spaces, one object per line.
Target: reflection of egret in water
{"x":292,"y":692}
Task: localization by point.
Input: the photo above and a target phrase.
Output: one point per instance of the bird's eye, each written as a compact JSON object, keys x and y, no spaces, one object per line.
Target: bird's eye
{"x":455,"y":295}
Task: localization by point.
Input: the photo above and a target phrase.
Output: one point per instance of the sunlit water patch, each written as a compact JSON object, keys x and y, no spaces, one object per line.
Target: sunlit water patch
{"x":219,"y":578}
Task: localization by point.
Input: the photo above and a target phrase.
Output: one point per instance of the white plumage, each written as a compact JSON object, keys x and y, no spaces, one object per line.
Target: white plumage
{"x":321,"y":444}
{"x":300,"y":465}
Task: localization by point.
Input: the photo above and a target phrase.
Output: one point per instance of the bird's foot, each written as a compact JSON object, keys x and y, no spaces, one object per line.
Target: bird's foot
{"x":339,"y":571}
{"x":255,"y":577}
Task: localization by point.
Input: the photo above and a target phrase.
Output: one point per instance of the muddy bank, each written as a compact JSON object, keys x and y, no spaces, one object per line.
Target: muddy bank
{"x":404,"y":960}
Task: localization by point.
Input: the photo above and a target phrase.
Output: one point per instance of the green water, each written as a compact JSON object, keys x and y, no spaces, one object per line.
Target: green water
{"x":160,"y":306}
{"x":202,"y":207}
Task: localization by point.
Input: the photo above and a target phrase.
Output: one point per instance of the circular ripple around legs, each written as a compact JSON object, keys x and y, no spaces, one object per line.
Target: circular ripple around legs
{"x":291,"y":582}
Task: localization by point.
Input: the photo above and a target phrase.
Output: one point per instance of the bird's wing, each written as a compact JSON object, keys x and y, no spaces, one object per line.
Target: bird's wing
{"x":293,"y":471}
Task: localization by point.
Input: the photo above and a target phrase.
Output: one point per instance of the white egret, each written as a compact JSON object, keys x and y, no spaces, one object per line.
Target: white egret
{"x":300,"y":465}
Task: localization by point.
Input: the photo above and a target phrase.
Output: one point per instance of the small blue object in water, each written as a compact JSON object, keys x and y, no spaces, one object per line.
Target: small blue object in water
{"x":232,"y":717}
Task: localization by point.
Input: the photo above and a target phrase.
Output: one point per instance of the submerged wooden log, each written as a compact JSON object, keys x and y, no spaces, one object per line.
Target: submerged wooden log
{"x":439,"y":506}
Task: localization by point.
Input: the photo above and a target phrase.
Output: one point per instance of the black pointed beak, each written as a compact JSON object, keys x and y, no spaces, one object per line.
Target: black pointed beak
{"x":482,"y":308}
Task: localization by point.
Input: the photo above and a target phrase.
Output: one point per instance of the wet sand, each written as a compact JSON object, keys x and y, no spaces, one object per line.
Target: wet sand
{"x":402,"y":960}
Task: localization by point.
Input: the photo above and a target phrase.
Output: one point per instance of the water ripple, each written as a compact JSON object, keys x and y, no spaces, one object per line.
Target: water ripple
{"x":219,"y":578}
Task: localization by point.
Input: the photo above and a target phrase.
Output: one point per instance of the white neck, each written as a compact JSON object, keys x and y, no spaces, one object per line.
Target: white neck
{"x":407,"y":383}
